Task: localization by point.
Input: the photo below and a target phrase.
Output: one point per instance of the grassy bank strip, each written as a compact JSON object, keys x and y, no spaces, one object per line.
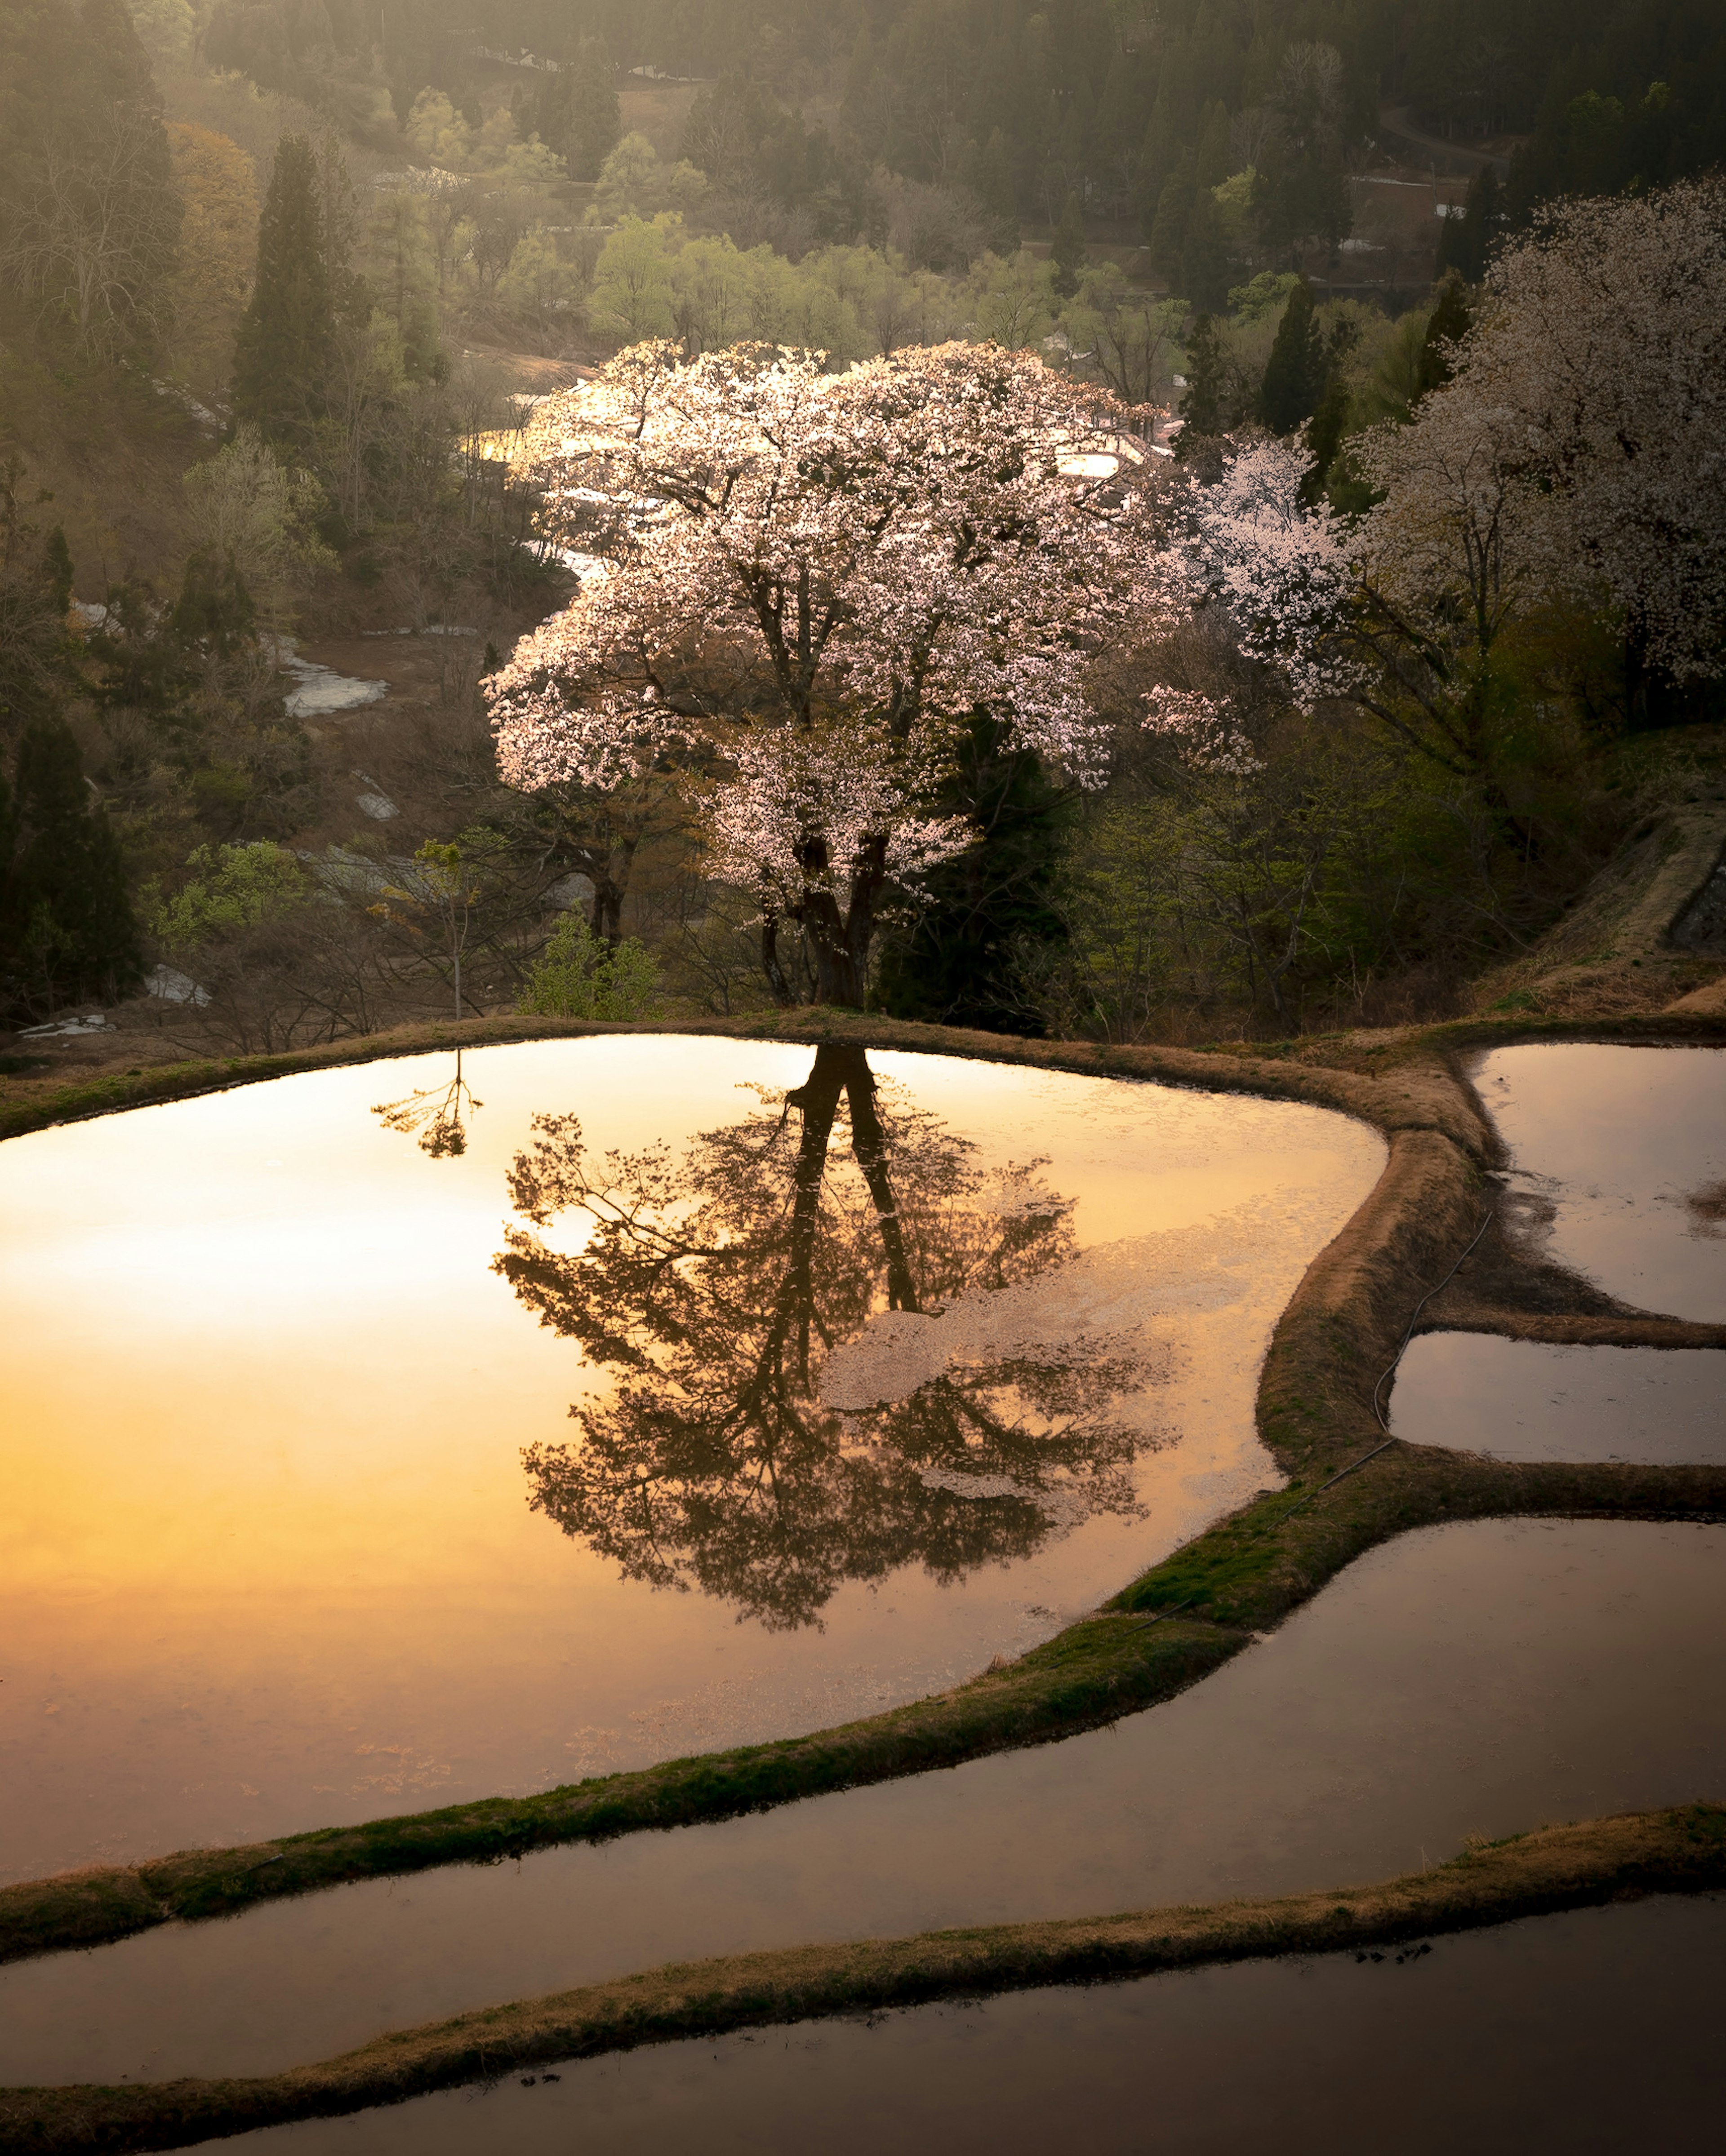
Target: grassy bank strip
{"x":1680,"y":1850}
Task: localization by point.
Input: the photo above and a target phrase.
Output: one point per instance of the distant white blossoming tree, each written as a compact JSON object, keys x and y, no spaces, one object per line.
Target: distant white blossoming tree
{"x":1577,"y":454}
{"x":812,"y":581}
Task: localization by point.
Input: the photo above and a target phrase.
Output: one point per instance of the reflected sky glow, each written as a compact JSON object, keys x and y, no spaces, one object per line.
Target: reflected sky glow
{"x":267,"y":1559}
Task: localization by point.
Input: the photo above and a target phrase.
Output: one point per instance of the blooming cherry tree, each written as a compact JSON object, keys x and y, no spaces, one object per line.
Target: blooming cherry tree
{"x":811,"y":581}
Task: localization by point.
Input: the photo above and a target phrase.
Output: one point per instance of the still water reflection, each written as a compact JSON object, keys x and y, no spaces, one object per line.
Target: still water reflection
{"x":891,"y":1368}
{"x":1479,"y":1678}
{"x":1526,"y":1400}
{"x":1597,"y":2030}
{"x":1619,"y":1164}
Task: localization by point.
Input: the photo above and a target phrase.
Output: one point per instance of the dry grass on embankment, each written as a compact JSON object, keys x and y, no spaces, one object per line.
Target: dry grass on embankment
{"x":1166,"y":1630}
{"x":1680,"y":1851}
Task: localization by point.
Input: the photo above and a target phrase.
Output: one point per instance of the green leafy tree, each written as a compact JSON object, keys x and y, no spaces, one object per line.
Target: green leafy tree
{"x":285,"y":346}
{"x":580,"y":975}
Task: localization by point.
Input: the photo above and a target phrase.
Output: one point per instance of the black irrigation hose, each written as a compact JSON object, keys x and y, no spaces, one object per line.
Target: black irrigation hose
{"x":1377,"y":1390}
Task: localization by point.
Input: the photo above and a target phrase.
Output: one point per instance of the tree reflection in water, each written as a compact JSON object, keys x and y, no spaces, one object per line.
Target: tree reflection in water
{"x":713,"y":1285}
{"x":438,"y":1113}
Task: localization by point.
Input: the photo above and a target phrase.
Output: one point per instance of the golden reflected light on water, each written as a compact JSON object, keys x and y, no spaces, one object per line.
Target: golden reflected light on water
{"x":267,"y":1556}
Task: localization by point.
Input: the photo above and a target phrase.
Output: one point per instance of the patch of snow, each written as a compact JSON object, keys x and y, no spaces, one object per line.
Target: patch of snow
{"x":322,"y":691}
{"x":174,"y":986}
{"x":55,"y":1027}
{"x":184,"y":397}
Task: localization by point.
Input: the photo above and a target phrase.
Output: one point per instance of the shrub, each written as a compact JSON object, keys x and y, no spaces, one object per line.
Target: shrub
{"x":578,"y":975}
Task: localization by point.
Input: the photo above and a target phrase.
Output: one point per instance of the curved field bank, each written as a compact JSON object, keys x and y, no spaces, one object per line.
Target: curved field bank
{"x":1319,"y":1400}
{"x":1680,"y":1850}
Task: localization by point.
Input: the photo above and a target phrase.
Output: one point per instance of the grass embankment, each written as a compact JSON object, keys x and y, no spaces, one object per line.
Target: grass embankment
{"x":1680,"y":1850}
{"x":1339,"y":1334}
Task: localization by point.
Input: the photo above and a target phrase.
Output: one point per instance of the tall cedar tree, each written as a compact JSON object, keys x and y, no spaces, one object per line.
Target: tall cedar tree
{"x":66,"y":927}
{"x":1202,"y":409}
{"x":1448,"y":325}
{"x":1068,"y":252}
{"x":955,"y":964}
{"x":576,"y":113}
{"x":1295,"y":373}
{"x":286,"y":345}
{"x":1466,"y":241}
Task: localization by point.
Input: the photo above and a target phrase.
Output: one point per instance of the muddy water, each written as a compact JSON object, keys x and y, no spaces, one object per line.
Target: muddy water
{"x":268,"y":1557}
{"x":1597,"y":2030}
{"x":1481,"y":1678}
{"x":1522,"y":1400}
{"x":1619,"y":1165}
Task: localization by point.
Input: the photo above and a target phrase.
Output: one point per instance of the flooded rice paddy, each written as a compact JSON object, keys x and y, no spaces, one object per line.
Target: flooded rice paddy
{"x":1618,"y":1166}
{"x":879,"y":1369}
{"x":1476,"y":1678}
{"x":1524,"y":1400}
{"x":1593,"y":2031}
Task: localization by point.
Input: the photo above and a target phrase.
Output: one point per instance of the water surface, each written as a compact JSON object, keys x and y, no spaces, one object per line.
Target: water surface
{"x":1482,"y":1678}
{"x":1526,"y":1400}
{"x":299,"y":1529}
{"x":1596,"y":2031}
{"x":1619,"y":1165}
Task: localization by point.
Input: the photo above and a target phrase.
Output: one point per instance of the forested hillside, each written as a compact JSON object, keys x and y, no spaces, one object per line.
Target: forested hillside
{"x":281,"y":280}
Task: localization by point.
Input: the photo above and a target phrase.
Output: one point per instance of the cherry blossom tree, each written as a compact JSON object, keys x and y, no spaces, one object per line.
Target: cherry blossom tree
{"x":812,"y":581}
{"x":1576,"y":456}
{"x":1603,"y":343}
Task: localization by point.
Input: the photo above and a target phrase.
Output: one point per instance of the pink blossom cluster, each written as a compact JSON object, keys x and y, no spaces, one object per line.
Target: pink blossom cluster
{"x":1282,"y":570}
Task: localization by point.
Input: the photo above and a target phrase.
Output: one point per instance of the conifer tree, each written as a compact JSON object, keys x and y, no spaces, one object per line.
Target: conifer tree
{"x":1467,"y":240}
{"x":67,"y":930}
{"x":1202,"y":407}
{"x":1205,"y":270}
{"x":1174,"y":211}
{"x":1068,"y":252}
{"x":955,"y":963}
{"x":285,"y":347}
{"x":1448,"y":324}
{"x":578,"y":113}
{"x":1295,"y":373}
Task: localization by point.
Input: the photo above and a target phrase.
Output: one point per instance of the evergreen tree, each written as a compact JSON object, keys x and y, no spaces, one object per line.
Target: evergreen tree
{"x":992,"y":180}
{"x":1466,"y":241}
{"x":1205,"y":269}
{"x":1295,"y":373}
{"x":286,"y":345}
{"x":955,"y":964}
{"x":576,"y":113}
{"x":1168,"y":232}
{"x":1202,"y":407}
{"x":1068,"y":252}
{"x":1213,"y":164}
{"x":67,"y":931}
{"x":1448,"y":324}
